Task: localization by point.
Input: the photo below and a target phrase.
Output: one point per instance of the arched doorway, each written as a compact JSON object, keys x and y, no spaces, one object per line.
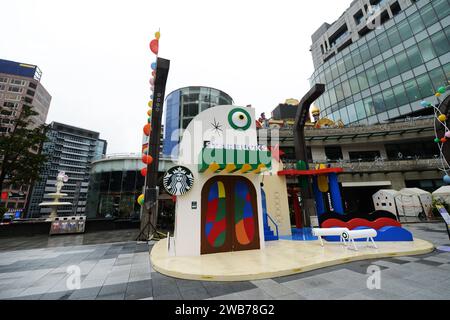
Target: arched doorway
{"x":229,"y":215}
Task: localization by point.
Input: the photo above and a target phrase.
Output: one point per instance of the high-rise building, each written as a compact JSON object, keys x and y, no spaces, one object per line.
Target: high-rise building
{"x":381,"y":58}
{"x":182,"y":106}
{"x":72,"y":150}
{"x":20,"y":85}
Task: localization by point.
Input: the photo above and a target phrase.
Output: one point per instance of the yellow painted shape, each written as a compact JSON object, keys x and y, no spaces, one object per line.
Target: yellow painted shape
{"x":230,"y":168}
{"x":221,"y":187}
{"x":246,"y":168}
{"x":213,"y":167}
{"x":322,"y":181}
{"x":261,"y":168}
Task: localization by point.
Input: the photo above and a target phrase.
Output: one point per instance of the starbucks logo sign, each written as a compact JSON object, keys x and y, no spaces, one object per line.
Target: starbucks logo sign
{"x":178,"y":181}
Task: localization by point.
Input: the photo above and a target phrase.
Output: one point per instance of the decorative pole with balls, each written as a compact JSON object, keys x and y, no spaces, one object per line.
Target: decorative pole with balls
{"x":441,"y":129}
{"x":151,"y":147}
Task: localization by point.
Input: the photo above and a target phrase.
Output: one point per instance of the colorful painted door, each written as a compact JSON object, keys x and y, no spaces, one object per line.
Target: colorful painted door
{"x":229,"y":216}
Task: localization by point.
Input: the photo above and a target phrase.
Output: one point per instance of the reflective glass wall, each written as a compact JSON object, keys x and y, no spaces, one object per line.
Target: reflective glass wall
{"x":113,"y":194}
{"x":182,"y":106}
{"x":388,"y":72}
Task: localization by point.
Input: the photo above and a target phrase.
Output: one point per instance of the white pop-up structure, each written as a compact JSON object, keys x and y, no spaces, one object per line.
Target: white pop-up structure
{"x":412,"y":202}
{"x":385,"y":200}
{"x":219,"y":182}
{"x":442,"y":194}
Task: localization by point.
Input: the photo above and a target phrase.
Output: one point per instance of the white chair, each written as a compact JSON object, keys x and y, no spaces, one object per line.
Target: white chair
{"x":324,"y":232}
{"x":352,"y":235}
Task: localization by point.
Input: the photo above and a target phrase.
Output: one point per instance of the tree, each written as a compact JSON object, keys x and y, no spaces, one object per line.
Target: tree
{"x":20,"y":156}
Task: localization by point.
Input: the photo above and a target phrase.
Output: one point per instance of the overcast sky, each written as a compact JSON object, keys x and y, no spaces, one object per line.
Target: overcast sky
{"x":95,"y":58}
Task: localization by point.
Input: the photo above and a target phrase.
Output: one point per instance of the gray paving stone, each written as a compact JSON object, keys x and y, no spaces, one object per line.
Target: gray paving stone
{"x":195,"y":294}
{"x":113,"y":289}
{"x":293,"y":296}
{"x":254,"y":294}
{"x":90,"y":293}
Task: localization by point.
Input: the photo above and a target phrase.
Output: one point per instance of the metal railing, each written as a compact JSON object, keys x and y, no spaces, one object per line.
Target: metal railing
{"x":275,"y":224}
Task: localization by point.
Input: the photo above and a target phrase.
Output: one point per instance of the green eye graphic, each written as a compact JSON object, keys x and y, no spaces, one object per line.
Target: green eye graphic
{"x":239,"y":119}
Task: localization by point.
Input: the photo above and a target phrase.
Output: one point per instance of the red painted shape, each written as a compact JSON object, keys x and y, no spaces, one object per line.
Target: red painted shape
{"x":216,"y":231}
{"x":4,"y":195}
{"x":249,"y":224}
{"x":212,"y":210}
{"x":355,"y":223}
{"x":334,"y":223}
{"x":297,"y":210}
{"x":309,"y":172}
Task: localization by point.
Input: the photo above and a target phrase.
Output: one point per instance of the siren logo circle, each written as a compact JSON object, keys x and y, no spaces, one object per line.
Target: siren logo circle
{"x":178,"y":181}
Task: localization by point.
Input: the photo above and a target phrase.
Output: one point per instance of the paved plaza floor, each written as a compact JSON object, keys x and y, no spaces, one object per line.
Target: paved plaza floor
{"x":114,"y":267}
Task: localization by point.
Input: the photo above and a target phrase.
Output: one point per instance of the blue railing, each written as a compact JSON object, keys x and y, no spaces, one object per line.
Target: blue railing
{"x":275,"y":224}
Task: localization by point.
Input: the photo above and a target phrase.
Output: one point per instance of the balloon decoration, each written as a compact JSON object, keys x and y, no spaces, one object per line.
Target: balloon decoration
{"x":147,"y":129}
{"x":154,"y":46}
{"x":141,"y":200}
{"x":441,"y":125}
{"x":147,"y":159}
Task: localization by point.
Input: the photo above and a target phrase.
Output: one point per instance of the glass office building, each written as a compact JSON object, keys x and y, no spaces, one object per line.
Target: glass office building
{"x":182,"y":106}
{"x":388,"y":71}
{"x":115,"y":185}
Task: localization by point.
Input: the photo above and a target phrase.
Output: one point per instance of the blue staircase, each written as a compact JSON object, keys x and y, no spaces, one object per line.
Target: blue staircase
{"x":269,"y":234}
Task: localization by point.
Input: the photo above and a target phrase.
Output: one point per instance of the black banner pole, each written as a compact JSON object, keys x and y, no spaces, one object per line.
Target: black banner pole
{"x":150,"y":208}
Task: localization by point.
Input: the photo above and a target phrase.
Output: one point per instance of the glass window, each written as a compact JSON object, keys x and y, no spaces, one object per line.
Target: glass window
{"x":447,"y":71}
{"x":394,"y":36}
{"x":400,"y":95}
{"x":339,"y":92}
{"x":381,"y":72}
{"x":374,"y":48}
{"x":427,"y":50}
{"x":344,"y":116}
{"x":369,"y":106}
{"x":442,"y":8}
{"x":416,"y":23}
{"x":412,"y":91}
{"x":371,"y":76}
{"x":360,"y":112}
{"x":428,"y":15}
{"x":391,"y":67}
{"x":190,"y":110}
{"x":365,"y":54}
{"x":352,"y":113}
{"x":333,"y":153}
{"x":415,"y":59}
{"x":354,"y":85}
{"x":402,"y":62}
{"x":348,"y":62}
{"x":440,"y":42}
{"x":328,"y":75}
{"x":425,"y":86}
{"x":346,"y":89}
{"x":333,"y":96}
{"x":405,"y":30}
{"x":341,"y":67}
{"x":356,"y":57}
{"x":437,"y":77}
{"x":362,"y":79}
{"x":334,"y":72}
{"x":378,"y":103}
{"x":389,"y":99}
{"x":384,"y":42}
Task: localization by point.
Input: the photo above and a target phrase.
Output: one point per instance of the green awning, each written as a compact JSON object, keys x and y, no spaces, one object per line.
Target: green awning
{"x":230,"y":161}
